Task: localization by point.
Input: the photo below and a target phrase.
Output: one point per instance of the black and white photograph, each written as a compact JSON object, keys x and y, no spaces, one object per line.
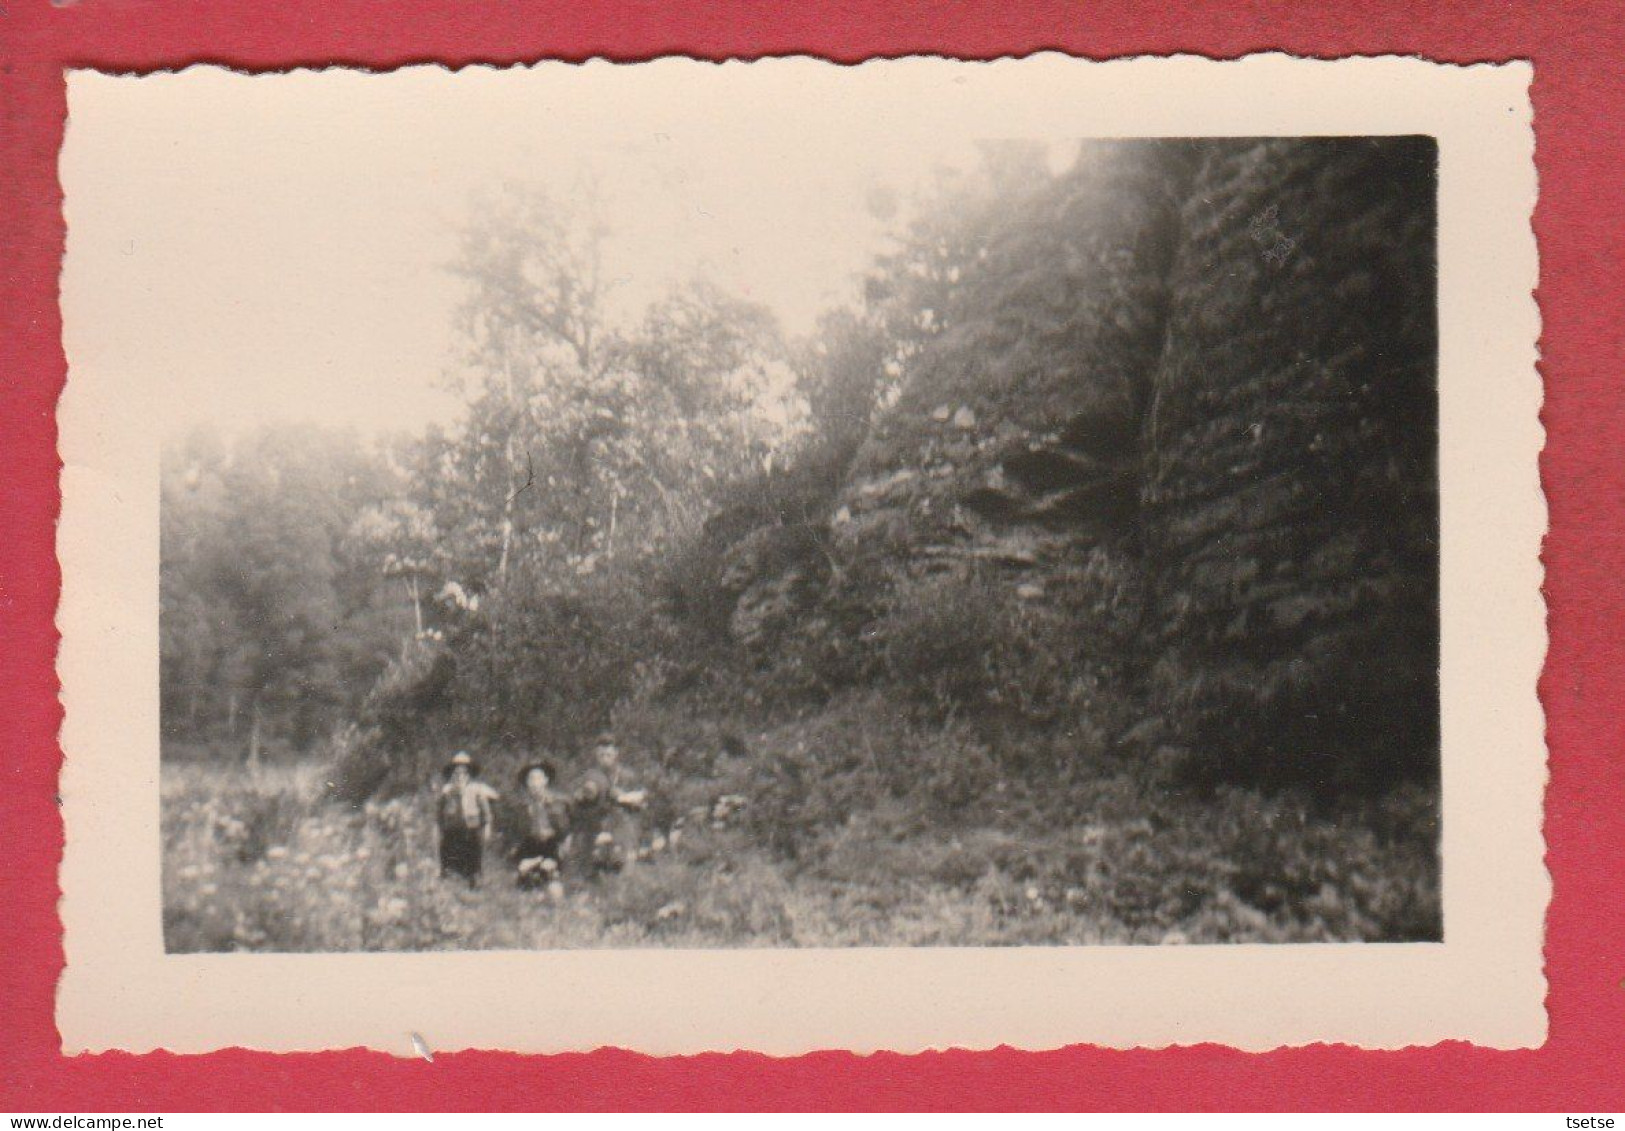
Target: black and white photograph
{"x":592,"y":516}
{"x":1031,"y":541}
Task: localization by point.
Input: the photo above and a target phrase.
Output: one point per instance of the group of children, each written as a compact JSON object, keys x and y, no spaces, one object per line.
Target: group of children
{"x":594,"y":826}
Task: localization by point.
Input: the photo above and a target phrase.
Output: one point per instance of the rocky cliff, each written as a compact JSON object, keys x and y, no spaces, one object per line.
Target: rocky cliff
{"x":1167,"y":447}
{"x":1291,"y":483}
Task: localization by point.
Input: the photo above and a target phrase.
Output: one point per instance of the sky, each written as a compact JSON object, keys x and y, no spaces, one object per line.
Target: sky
{"x":262,"y":248}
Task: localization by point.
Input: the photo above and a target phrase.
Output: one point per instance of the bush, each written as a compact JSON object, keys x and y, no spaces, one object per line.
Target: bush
{"x":815,"y":774}
{"x":970,"y":642}
{"x":532,"y":671}
{"x":742,"y":903}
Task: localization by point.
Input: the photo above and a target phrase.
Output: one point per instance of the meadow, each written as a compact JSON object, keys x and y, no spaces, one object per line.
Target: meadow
{"x":266,"y":861}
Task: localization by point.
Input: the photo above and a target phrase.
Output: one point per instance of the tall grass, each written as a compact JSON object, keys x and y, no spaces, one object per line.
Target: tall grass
{"x":266,"y":862}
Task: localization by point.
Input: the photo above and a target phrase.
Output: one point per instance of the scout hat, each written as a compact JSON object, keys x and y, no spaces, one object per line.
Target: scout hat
{"x":544,"y":765}
{"x":462,"y":758}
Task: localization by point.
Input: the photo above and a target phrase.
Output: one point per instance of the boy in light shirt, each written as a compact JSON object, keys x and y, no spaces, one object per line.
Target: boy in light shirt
{"x":463,"y":811}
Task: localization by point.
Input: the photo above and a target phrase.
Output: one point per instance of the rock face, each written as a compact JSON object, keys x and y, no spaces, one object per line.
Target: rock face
{"x":1022,"y":432}
{"x":1206,"y":447}
{"x":1291,"y":439}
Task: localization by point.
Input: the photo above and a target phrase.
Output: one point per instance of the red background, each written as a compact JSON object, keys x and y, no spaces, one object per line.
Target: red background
{"x":1578,"y":80}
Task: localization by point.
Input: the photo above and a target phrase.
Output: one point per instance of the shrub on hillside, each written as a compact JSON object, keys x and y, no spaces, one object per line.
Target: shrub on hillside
{"x":861,"y":753}
{"x":532,"y":671}
{"x":971,"y":642}
{"x":742,"y":902}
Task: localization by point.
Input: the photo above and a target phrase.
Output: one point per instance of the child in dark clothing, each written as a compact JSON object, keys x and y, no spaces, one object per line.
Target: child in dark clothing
{"x":547,"y":819}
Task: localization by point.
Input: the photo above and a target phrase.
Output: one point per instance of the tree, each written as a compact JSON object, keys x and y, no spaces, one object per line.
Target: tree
{"x":194,"y":627}
{"x":402,"y":535}
{"x":586,"y":443}
{"x":591,"y":450}
{"x":533,"y":333}
{"x":839,"y":375}
{"x":962,"y":236}
{"x":270,"y":629}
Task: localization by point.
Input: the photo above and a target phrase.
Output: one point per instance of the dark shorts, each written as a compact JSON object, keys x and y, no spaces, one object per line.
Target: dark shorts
{"x":536,"y":848}
{"x":461,"y":852}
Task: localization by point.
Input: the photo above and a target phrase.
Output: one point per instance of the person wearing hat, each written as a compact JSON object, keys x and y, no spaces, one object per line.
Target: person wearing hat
{"x":464,"y":812}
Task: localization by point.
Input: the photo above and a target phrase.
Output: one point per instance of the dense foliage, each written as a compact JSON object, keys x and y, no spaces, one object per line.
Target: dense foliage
{"x":274,"y":618}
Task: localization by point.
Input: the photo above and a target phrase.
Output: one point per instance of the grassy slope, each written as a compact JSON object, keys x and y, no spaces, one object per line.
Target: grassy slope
{"x":262,"y":864}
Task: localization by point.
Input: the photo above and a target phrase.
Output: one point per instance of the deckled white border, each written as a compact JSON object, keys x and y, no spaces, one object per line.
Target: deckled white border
{"x":1483,"y":984}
